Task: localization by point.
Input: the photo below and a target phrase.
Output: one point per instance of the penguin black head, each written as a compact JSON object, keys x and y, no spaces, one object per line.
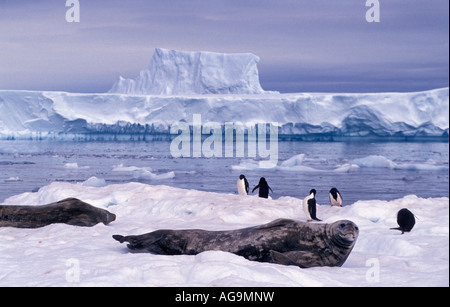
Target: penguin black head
{"x":313,"y":191}
{"x":262,"y":180}
{"x":241,"y":177}
{"x":334,"y":191}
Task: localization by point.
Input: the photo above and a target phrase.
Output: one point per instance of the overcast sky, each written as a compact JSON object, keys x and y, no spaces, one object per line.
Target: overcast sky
{"x":303,"y":45}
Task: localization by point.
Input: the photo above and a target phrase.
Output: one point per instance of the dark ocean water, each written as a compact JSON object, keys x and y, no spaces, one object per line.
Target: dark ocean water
{"x":385,"y":171}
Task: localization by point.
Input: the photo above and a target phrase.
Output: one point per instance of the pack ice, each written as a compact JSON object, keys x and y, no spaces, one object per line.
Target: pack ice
{"x":221,"y":88}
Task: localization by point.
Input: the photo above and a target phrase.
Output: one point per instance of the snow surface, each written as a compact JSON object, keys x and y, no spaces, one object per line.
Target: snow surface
{"x":61,"y":115}
{"x":63,"y":255}
{"x":173,"y":72}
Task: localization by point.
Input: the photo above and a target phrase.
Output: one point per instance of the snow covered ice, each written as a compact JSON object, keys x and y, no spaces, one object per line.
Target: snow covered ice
{"x":382,"y":257}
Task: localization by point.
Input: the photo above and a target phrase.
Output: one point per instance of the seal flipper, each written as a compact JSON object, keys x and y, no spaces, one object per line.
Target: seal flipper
{"x":280,"y":258}
{"x":119,"y":238}
{"x":152,"y":242}
{"x":277,"y":223}
{"x":138,"y":242}
{"x":298,"y":258}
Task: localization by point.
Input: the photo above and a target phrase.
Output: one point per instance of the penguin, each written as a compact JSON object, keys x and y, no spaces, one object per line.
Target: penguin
{"x":406,"y":220}
{"x":309,"y":206}
{"x":335,"y":197}
{"x":263,"y":188}
{"x":242,"y":185}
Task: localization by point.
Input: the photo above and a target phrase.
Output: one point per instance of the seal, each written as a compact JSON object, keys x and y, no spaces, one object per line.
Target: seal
{"x":70,"y":211}
{"x":283,"y":241}
{"x":406,"y":220}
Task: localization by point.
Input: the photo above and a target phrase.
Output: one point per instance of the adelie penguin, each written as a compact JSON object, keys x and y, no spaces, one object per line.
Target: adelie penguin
{"x":242,"y":185}
{"x":406,"y":220}
{"x":263,"y":187}
{"x":335,"y":197}
{"x":309,"y":206}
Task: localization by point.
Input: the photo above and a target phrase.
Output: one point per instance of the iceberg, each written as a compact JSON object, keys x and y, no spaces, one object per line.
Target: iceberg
{"x":306,"y":116}
{"x":221,"y":88}
{"x":173,"y":72}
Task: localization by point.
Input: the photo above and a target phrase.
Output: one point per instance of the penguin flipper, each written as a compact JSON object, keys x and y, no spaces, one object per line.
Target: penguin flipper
{"x":312,"y":209}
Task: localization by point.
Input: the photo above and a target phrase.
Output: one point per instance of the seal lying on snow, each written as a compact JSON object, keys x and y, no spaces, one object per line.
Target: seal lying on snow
{"x":282,"y":241}
{"x":71,"y":211}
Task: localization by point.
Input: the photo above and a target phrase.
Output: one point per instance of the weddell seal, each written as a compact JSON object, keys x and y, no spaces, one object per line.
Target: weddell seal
{"x":70,"y":211}
{"x":282,"y":241}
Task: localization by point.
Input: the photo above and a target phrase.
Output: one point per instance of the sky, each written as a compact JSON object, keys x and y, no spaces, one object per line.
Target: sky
{"x":303,"y":45}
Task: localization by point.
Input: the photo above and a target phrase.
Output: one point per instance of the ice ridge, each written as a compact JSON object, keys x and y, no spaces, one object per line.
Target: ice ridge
{"x":173,"y":72}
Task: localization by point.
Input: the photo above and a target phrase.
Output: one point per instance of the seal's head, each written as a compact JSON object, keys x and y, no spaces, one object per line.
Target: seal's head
{"x":108,"y":217}
{"x":344,"y":233}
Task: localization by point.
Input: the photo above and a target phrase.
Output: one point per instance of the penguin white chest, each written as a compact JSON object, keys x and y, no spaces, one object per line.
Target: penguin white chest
{"x":241,"y":187}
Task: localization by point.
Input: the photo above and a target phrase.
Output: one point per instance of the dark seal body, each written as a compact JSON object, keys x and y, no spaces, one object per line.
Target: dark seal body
{"x":70,"y":211}
{"x":282,"y":241}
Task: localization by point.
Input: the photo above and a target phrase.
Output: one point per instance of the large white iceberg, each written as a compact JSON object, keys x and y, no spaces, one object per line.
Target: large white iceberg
{"x":220,"y":88}
{"x":61,"y":115}
{"x":173,"y":72}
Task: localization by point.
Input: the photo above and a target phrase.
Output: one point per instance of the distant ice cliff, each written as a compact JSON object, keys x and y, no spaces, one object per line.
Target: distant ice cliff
{"x":221,"y":88}
{"x":174,"y":72}
{"x":309,"y":116}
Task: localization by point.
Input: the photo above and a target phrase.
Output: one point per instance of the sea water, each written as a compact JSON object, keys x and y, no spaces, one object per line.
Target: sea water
{"x":360,"y":170}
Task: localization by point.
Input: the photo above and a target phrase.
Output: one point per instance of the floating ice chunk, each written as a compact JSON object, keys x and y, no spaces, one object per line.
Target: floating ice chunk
{"x":13,"y":179}
{"x":94,"y":182}
{"x":247,"y":164}
{"x":74,"y":165}
{"x":293,"y":161}
{"x":375,"y":161}
{"x":121,"y":168}
{"x":145,"y":174}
